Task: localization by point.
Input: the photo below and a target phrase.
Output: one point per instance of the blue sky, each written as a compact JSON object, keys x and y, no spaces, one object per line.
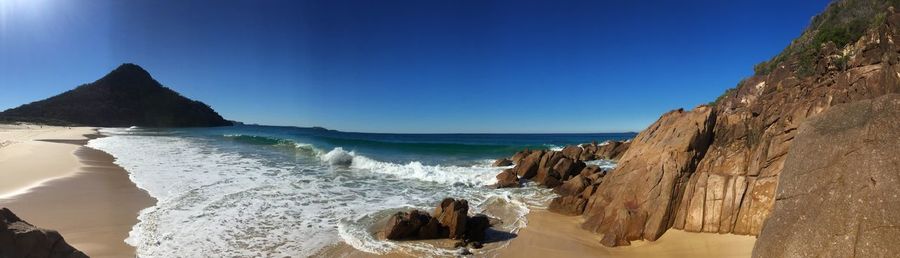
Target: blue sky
{"x":406,"y":66}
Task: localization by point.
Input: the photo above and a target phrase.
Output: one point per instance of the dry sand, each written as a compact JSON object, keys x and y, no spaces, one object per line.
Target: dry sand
{"x":75,"y":190}
{"x":553,"y":235}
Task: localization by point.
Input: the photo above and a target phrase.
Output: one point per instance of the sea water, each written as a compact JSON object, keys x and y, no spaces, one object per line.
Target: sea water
{"x":249,"y":191}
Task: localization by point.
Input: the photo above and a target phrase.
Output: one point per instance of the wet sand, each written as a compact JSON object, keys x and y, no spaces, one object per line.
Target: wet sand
{"x":75,"y":190}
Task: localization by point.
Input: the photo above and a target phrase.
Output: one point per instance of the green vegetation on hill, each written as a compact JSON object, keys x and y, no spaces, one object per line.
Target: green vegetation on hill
{"x":843,"y":22}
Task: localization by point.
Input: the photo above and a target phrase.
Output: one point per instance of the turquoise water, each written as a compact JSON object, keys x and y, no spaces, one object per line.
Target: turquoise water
{"x":248,"y":191}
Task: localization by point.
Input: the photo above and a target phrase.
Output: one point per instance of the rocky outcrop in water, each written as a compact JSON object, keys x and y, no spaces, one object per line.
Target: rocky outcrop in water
{"x":449,"y":220}
{"x":507,"y":178}
{"x":837,"y":194}
{"x":21,"y":239}
{"x":502,"y":162}
{"x":555,"y":168}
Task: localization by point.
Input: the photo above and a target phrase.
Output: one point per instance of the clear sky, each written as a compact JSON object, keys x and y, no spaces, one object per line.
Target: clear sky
{"x":406,"y":66}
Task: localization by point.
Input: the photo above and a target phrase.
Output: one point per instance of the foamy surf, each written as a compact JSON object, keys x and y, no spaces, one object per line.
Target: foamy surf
{"x":239,"y":194}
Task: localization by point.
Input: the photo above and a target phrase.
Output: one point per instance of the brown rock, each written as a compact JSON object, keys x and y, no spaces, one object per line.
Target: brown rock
{"x":837,"y":194}
{"x":519,"y":156}
{"x":475,"y":227}
{"x":507,"y":178}
{"x":568,"y":205}
{"x":637,"y":200}
{"x":612,"y":150}
{"x":453,"y":214}
{"x":590,"y":170}
{"x":547,"y":162}
{"x":573,"y":152}
{"x":502,"y":162}
{"x":21,"y":239}
{"x":548,"y":178}
{"x":757,"y":124}
{"x":405,"y":225}
{"x":590,"y":190}
{"x":589,"y":151}
{"x":573,"y":186}
{"x":529,"y":166}
{"x":432,"y":230}
{"x":567,"y":168}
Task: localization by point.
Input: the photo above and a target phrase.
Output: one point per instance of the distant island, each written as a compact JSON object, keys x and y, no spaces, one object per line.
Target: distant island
{"x":127,"y":96}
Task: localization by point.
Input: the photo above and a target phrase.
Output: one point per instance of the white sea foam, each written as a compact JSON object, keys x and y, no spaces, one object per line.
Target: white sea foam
{"x":338,"y":156}
{"x":214,"y":200}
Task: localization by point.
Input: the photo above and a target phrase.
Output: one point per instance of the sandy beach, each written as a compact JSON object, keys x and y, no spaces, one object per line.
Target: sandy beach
{"x":553,"y":235}
{"x":51,"y":181}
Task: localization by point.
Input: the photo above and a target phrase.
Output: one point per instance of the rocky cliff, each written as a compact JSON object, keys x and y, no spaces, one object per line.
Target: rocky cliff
{"x":716,"y":169}
{"x":837,"y":194}
{"x":127,"y":96}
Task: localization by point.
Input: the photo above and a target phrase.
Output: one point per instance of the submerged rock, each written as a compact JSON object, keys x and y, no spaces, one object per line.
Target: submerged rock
{"x":502,"y":162}
{"x":404,"y":225}
{"x":21,"y":239}
{"x":450,"y":220}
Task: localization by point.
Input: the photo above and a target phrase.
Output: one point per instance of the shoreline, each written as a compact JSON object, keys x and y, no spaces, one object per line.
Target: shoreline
{"x":549,"y":234}
{"x":89,"y":199}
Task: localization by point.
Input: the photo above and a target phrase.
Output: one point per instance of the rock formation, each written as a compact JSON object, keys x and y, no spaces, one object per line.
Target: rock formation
{"x":722,"y":163}
{"x":127,"y":96}
{"x":733,"y":188}
{"x":450,"y":220}
{"x":638,"y":199}
{"x":555,"y":168}
{"x":716,"y":168}
{"x":507,"y":178}
{"x":837,"y":194}
{"x":21,"y":239}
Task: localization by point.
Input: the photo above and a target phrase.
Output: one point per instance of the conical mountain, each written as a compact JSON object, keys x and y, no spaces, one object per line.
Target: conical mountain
{"x":127,"y":96}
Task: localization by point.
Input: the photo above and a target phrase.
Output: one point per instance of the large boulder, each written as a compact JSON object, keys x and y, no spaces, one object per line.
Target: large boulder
{"x":507,"y":178}
{"x":450,"y":220}
{"x":573,"y":186}
{"x":529,"y":166}
{"x":837,"y":194}
{"x":453,"y":214}
{"x":405,"y":225}
{"x":21,"y":239}
{"x":519,"y":156}
{"x":567,"y":168}
{"x":476,"y":227}
{"x":636,"y":200}
{"x":568,"y":205}
{"x":572,"y":152}
{"x":612,"y":150}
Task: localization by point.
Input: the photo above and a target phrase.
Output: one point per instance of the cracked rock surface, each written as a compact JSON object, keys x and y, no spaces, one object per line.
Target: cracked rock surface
{"x":839,"y":192}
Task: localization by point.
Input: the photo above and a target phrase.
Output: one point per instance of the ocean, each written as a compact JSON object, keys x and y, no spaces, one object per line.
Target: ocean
{"x":250,"y":191}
